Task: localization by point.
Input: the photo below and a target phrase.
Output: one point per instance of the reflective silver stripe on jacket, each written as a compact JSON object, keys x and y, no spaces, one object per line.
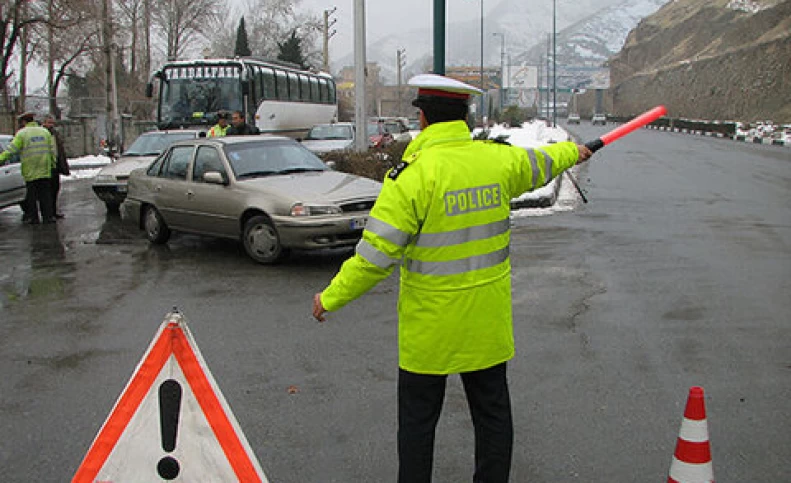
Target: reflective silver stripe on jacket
{"x":547,"y":166}
{"x":456,"y":237}
{"x":375,"y":256}
{"x":531,"y":155}
{"x":387,"y":231}
{"x":454,"y":267}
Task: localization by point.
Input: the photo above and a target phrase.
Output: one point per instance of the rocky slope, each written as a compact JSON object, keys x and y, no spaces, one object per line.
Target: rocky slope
{"x":708,"y":59}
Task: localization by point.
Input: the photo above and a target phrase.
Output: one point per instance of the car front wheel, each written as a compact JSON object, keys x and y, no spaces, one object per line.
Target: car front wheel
{"x":261,"y":241}
{"x":157,"y":230}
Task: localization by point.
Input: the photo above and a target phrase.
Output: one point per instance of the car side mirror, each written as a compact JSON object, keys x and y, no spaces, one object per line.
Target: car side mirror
{"x":214,"y":177}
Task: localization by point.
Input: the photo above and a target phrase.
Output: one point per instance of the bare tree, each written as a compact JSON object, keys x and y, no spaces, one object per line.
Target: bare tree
{"x":182,"y":22}
{"x":15,"y":16}
{"x":69,"y":33}
{"x":268,"y":23}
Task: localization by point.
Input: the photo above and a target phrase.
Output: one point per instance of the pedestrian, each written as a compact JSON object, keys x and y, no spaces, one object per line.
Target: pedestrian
{"x":239,"y":127}
{"x":61,"y":163}
{"x":443,"y":216}
{"x":221,"y":128}
{"x":36,"y":150}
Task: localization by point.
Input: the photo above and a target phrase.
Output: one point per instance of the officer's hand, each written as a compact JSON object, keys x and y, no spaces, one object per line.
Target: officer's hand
{"x":318,"y":308}
{"x":585,"y":153}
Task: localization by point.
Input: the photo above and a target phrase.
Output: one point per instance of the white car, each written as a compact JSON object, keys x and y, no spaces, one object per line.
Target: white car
{"x":110,"y":183}
{"x":12,"y":185}
{"x":573,"y":118}
{"x":325,"y":138}
{"x":599,"y":119}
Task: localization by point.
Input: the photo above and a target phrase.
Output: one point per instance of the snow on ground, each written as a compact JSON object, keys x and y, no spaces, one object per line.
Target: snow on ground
{"x":532,"y":135}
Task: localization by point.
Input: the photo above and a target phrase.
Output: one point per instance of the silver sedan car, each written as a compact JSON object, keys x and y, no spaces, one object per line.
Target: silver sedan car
{"x":269,"y":192}
{"x":110,"y":183}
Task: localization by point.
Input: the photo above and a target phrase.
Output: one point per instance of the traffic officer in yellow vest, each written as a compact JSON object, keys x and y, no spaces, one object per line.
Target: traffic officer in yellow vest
{"x":36,"y":149}
{"x":221,"y":128}
{"x":443,"y":216}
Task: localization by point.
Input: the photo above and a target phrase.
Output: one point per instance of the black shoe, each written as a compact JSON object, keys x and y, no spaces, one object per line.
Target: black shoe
{"x":59,"y":215}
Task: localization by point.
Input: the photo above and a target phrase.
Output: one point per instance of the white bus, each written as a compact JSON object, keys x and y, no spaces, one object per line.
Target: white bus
{"x":275,"y":97}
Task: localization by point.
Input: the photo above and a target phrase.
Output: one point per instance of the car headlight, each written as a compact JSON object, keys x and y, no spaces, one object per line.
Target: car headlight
{"x":104,"y":178}
{"x":300,"y":209}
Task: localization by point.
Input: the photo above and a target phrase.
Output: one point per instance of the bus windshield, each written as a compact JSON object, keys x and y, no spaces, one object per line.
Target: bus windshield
{"x":194,"y":94}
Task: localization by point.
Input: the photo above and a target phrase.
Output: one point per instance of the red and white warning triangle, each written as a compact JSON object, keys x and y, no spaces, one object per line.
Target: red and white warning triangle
{"x":171,"y":422}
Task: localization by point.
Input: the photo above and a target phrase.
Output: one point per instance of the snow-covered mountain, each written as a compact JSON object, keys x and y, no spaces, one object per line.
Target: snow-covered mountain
{"x":589,"y":31}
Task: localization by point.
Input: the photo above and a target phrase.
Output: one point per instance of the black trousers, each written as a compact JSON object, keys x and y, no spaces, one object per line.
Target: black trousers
{"x":420,"y":399}
{"x":54,"y":183}
{"x":38,"y":198}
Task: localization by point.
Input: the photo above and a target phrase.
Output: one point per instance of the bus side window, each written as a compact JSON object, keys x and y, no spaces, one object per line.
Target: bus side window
{"x":315,"y":95}
{"x":331,"y":91}
{"x":269,"y":85}
{"x":293,"y":86}
{"x":282,"y":85}
{"x":304,"y":88}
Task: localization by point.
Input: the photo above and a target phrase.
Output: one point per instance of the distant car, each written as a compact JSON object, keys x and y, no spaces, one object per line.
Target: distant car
{"x":398,"y":128}
{"x":573,"y":119}
{"x":109,"y":184}
{"x":12,"y":185}
{"x":378,"y":136}
{"x":269,"y":192}
{"x":325,"y":138}
{"x":599,"y":119}
{"x":414,"y":127}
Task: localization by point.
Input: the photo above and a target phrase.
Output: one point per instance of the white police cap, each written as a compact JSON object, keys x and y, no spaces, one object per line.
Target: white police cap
{"x":441,"y":86}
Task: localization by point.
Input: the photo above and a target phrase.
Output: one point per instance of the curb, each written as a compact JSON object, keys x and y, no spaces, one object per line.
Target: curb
{"x":742,"y":138}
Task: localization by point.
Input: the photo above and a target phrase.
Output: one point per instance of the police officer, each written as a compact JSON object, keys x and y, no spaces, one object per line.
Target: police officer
{"x":36,"y":149}
{"x":221,"y":128}
{"x":443,"y":217}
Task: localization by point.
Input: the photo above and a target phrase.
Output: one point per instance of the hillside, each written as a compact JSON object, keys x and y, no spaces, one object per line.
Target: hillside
{"x":708,"y":59}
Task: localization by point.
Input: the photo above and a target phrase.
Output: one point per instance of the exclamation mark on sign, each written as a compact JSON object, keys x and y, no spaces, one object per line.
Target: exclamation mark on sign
{"x":169,"y":406}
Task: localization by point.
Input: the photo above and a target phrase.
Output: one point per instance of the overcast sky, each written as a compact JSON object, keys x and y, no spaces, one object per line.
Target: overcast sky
{"x":384,"y":17}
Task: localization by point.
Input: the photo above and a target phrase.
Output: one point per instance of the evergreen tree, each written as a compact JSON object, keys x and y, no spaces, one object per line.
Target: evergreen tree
{"x":291,"y":51}
{"x":242,"y":48}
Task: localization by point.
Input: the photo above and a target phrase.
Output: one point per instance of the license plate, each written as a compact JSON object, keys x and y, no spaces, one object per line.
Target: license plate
{"x":358,"y":223}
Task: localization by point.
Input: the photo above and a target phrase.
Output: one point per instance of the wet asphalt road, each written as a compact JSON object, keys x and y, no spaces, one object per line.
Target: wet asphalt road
{"x":677,"y":273}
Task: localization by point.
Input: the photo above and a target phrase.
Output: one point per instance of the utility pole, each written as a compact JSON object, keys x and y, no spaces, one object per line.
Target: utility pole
{"x":549,"y":54}
{"x":554,"y":67}
{"x":360,"y":112}
{"x":107,"y":41}
{"x":328,"y":35}
{"x":502,"y":68}
{"x":400,"y":64}
{"x":483,"y":91}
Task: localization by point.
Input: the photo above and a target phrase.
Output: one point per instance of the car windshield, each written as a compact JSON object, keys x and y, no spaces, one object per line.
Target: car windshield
{"x":330,"y":132}
{"x":414,"y":125}
{"x":257,"y":159}
{"x":151,"y":144}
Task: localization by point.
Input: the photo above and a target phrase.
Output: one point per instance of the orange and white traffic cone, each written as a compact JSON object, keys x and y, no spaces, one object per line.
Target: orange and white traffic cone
{"x":692,"y":460}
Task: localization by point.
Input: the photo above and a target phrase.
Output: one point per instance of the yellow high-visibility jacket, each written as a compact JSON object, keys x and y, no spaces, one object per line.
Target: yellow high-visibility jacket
{"x":217,"y":131}
{"x":36,"y":148}
{"x":443,"y":215}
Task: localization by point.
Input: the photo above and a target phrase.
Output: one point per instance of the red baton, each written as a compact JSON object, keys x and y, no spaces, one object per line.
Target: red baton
{"x":624,"y":129}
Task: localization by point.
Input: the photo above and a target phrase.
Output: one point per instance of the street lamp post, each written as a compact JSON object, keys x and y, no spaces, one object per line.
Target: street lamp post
{"x":502,"y":68}
{"x":554,"y":67}
{"x":483,"y":94}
